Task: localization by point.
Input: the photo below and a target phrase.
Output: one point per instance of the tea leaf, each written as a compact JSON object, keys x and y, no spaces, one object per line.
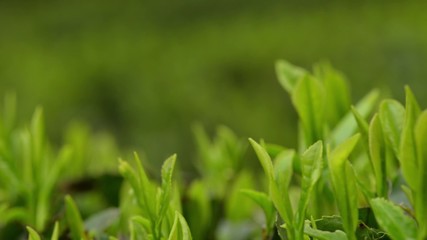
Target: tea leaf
{"x":140,"y":228}
{"x":55,"y":233}
{"x":308,"y":99}
{"x":264,"y":159}
{"x":280,"y":198}
{"x":311,"y":164}
{"x":33,"y":235}
{"x":408,"y":154}
{"x":362,"y":124}
{"x":289,"y":74}
{"x":344,"y":184}
{"x":74,"y":219}
{"x":143,"y":188}
{"x":337,"y":92}
{"x":180,"y":229}
{"x":421,"y":191}
{"x":265,"y":203}
{"x":283,"y":170}
{"x":166,"y":189}
{"x":391,"y":115}
{"x":393,"y":220}
{"x":147,"y":190}
{"x":347,"y":126}
{"x":324,"y":235}
{"x":37,"y":136}
{"x":377,"y":156}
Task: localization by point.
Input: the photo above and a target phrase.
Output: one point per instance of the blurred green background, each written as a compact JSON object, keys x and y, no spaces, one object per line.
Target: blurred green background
{"x":147,"y":70}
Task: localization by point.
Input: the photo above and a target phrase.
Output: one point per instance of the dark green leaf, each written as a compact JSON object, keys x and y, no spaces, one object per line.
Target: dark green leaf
{"x":366,"y":230}
{"x":324,"y":235}
{"x":199,"y":213}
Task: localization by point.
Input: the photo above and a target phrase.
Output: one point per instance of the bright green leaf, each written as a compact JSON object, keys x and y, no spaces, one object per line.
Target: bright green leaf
{"x":180,"y":229}
{"x":393,"y":220}
{"x":37,"y":134}
{"x":337,"y":92}
{"x":283,"y":170}
{"x":421,"y":191}
{"x":74,"y":219}
{"x":147,"y":190}
{"x":278,"y":196}
{"x":288,"y":74}
{"x":377,"y":156}
{"x":391,"y":115}
{"x":55,"y":233}
{"x":312,"y":166}
{"x":408,"y":154}
{"x":362,"y":124}
{"x":348,"y":125}
{"x":341,"y":153}
{"x":264,"y":159}
{"x":140,"y":228}
{"x":265,"y":203}
{"x":144,"y":190}
{"x":344,"y":184}
{"x":33,"y":235}
{"x":308,"y":99}
{"x":166,"y":189}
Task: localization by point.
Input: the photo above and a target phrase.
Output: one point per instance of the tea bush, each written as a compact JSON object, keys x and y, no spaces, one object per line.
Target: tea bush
{"x":359,"y":172}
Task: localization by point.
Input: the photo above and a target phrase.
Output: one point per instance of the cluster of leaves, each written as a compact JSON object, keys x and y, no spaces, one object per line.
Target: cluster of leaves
{"x":359,"y":172}
{"x":348,"y":168}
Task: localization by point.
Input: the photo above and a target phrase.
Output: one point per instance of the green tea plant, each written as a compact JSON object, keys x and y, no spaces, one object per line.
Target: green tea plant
{"x":30,"y":169}
{"x":214,"y":206}
{"x":358,"y":172}
{"x":362,"y":179}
